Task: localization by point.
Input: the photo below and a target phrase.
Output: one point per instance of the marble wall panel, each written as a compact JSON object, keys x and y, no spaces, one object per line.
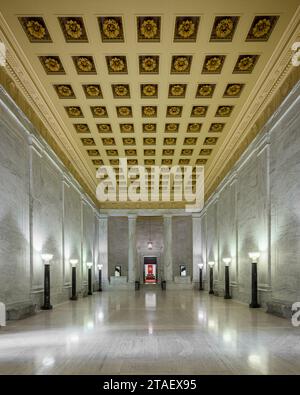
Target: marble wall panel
{"x":47,"y":220}
{"x":117,"y":244}
{"x":227,"y":230}
{"x":103,"y":245}
{"x":252,"y":211}
{"x":197,"y":246}
{"x":182,"y":244}
{"x":14,"y":214}
{"x":72,"y":230}
{"x":212,"y":251}
{"x":203,"y":250}
{"x":88,"y":235}
{"x":285,"y":208}
{"x":96,"y":246}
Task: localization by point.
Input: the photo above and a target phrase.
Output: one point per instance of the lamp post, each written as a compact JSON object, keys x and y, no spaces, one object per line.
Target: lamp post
{"x":211,"y":277}
{"x":254,"y":259}
{"x":46,"y":259}
{"x":89,"y":265}
{"x":100,"y":277}
{"x":227,"y":262}
{"x":200,"y":265}
{"x":73,"y":263}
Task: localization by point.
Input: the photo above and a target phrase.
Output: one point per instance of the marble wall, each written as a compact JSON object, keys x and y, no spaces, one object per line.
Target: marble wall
{"x":14,"y":214}
{"x":42,"y":209}
{"x":71,"y":229}
{"x":117,"y":245}
{"x":257,"y":207}
{"x":227,"y":229}
{"x":180,"y":243}
{"x":285,"y":205}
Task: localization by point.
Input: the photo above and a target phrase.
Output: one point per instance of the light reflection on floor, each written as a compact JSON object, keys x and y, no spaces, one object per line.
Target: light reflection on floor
{"x":150,"y":332}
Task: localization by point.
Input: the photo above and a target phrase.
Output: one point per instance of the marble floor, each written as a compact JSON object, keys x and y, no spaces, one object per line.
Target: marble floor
{"x":150,"y":332}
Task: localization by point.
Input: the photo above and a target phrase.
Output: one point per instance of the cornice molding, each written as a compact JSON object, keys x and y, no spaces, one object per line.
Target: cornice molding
{"x":144,"y":212}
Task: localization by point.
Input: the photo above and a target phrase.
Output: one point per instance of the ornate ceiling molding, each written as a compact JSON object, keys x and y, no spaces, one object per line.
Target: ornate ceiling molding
{"x":27,"y":82}
{"x":259,"y":107}
{"x":263,"y":101}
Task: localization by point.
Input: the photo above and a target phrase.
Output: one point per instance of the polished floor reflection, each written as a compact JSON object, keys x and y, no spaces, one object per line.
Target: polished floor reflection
{"x":150,"y":332}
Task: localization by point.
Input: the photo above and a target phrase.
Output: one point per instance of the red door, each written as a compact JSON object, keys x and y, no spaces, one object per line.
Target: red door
{"x":150,"y":270}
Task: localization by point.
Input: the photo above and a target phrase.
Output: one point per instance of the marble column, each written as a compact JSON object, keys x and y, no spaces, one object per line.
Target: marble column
{"x":168,"y":264}
{"x":132,"y":252}
{"x":103,"y":247}
{"x":197,"y":257}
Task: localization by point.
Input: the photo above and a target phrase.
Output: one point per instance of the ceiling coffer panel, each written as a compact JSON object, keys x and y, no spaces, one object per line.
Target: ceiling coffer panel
{"x":158,"y":87}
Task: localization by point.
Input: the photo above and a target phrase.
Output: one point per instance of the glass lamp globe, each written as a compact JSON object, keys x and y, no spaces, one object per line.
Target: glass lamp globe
{"x":73,"y":262}
{"x":254,"y":256}
{"x":227,"y":261}
{"x":46,"y":258}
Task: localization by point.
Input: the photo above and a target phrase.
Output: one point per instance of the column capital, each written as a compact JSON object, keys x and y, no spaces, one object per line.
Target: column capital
{"x":196,"y":215}
{"x":132,"y":216}
{"x":102,"y":216}
{"x":167,"y":215}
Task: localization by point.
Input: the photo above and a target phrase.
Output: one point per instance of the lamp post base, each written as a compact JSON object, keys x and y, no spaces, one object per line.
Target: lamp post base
{"x":90,"y":293}
{"x":254,"y":305}
{"x":227,"y":297}
{"x":47,"y":307}
{"x":100,"y":290}
{"x":73,"y":298}
{"x":211,"y":292}
{"x":201,"y":289}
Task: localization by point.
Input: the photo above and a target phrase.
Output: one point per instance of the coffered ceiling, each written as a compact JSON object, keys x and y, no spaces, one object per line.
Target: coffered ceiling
{"x":161,"y":83}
